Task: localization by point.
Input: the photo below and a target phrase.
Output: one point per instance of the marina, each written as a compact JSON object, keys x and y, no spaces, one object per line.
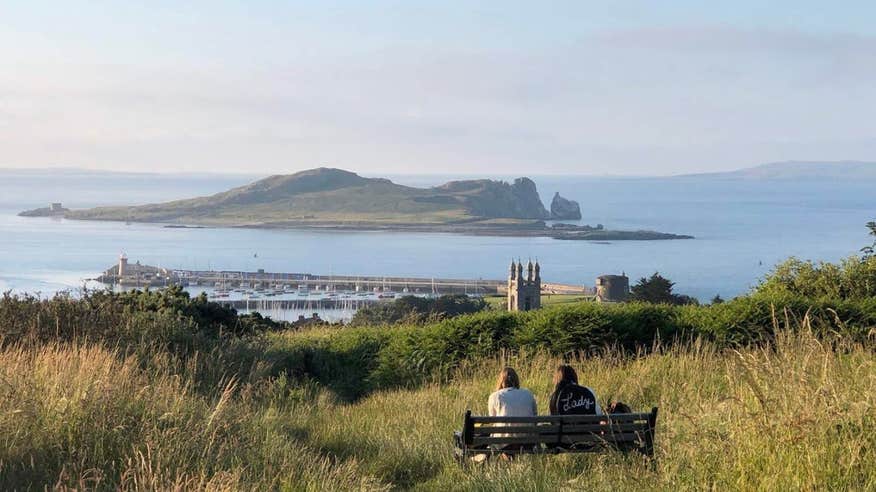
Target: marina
{"x":290,"y":295}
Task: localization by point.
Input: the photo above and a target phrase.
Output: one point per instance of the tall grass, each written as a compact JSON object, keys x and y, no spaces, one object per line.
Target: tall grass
{"x":799,"y":413}
{"x":84,"y":416}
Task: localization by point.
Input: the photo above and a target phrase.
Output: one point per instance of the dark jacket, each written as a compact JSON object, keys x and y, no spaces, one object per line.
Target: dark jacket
{"x":567,"y":388}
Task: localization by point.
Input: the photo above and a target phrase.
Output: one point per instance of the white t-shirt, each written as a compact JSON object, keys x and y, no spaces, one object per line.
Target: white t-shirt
{"x":512,"y":402}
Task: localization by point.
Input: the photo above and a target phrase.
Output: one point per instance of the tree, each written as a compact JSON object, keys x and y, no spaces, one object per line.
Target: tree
{"x":717,"y":299}
{"x":656,"y":289}
{"x":685,"y":300}
{"x":848,"y":279}
{"x":870,"y":251}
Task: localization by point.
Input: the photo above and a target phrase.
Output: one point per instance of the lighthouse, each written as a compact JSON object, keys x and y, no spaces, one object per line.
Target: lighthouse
{"x":123,"y":264}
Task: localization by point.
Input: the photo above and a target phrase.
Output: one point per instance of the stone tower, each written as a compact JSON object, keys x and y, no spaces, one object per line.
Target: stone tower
{"x":612,"y":288}
{"x":123,"y":265}
{"x":524,"y":292}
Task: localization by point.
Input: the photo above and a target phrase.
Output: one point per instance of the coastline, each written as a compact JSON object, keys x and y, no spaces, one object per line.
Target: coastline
{"x":534,"y":229}
{"x":576,"y":233}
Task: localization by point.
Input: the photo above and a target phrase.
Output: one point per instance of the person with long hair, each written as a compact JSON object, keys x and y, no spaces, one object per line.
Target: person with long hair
{"x":509,"y":399}
{"x":570,"y":398}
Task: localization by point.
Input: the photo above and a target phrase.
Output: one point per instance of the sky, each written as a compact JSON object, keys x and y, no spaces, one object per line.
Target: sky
{"x":502,"y":87}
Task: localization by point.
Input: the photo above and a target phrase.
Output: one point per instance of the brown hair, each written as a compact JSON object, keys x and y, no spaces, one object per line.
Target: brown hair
{"x":507,"y":379}
{"x":565,"y":373}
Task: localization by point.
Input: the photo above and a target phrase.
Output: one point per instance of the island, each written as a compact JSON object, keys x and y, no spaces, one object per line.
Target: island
{"x":327,"y":198}
{"x":53,"y":210}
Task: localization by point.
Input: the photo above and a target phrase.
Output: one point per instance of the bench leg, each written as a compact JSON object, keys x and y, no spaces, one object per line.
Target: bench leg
{"x":460,"y":452}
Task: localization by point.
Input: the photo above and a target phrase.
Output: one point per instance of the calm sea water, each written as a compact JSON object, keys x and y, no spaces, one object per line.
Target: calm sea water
{"x":742,"y":229}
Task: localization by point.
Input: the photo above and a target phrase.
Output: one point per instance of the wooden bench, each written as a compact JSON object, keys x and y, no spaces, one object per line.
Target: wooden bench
{"x":556,"y":434}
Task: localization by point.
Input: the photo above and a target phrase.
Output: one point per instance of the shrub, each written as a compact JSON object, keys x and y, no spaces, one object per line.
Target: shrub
{"x":852,"y":278}
{"x":168,"y":316}
{"x":413,"y":309}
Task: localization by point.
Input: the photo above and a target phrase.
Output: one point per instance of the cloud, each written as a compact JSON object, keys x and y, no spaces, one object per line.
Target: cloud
{"x":632,"y":101}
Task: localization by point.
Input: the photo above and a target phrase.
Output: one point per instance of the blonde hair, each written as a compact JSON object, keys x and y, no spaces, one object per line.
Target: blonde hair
{"x":508,"y":378}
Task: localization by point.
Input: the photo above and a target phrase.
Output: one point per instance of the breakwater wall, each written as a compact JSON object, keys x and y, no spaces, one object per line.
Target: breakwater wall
{"x":357,"y":283}
{"x":139,"y":276}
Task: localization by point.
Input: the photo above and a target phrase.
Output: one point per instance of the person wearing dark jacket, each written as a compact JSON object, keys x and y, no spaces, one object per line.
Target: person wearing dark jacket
{"x":570,"y":398}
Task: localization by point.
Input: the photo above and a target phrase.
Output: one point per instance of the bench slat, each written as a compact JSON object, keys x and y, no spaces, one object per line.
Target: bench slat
{"x":555,"y":429}
{"x":606,"y":439}
{"x":583,"y":439}
{"x":621,"y":417}
{"x":581,"y":450}
{"x":566,"y":419}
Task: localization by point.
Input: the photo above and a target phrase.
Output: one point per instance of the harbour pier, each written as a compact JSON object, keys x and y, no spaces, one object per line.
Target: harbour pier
{"x":333,"y":283}
{"x":135,"y":275}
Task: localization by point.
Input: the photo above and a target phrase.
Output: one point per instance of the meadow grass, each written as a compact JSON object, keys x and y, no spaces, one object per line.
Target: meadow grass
{"x":799,"y":413}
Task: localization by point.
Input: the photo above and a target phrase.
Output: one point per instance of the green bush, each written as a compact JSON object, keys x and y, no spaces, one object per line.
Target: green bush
{"x":131,"y":318}
{"x":413,"y":309}
{"x":383,"y":357}
{"x":588,"y":326}
{"x":342,"y":360}
{"x":852,"y":278}
{"x":419,"y":353}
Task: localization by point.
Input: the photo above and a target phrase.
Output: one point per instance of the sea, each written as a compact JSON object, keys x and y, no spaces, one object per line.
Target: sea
{"x":742,"y":226}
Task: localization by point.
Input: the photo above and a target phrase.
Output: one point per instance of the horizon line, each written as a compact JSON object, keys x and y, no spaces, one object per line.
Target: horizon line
{"x":233,"y":173}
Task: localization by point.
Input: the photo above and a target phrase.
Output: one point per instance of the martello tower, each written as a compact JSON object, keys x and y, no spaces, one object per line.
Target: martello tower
{"x":524,"y":289}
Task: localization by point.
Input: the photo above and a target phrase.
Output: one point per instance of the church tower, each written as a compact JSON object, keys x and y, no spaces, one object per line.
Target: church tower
{"x":524,"y":292}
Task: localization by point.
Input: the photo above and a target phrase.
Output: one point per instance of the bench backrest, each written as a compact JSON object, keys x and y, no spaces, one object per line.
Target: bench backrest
{"x":620,"y":430}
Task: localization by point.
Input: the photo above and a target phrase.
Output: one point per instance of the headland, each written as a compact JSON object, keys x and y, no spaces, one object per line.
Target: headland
{"x":334,"y":199}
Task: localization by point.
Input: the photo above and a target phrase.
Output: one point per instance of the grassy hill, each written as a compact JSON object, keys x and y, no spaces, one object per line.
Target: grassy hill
{"x":155,"y":391}
{"x":85,"y":415}
{"x":333,"y":196}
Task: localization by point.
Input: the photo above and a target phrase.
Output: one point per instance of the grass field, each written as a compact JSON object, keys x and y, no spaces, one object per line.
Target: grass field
{"x":800,"y":415}
{"x":159,"y":391}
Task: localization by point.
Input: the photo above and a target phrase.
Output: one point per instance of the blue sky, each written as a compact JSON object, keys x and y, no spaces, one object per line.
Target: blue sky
{"x":389,"y":86}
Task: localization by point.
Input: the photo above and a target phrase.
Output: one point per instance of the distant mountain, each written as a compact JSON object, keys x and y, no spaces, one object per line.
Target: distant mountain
{"x":333,"y":196}
{"x":839,"y":170}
